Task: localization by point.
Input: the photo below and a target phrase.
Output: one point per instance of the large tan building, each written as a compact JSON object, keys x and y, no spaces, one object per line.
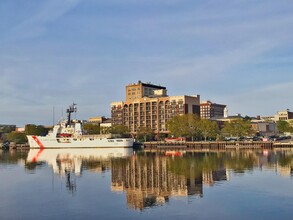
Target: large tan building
{"x":148,"y":105}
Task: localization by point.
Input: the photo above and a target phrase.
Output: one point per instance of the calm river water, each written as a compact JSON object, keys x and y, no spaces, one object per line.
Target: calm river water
{"x":122,"y":184}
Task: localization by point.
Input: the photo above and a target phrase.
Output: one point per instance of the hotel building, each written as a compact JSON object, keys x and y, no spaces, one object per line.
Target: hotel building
{"x":148,"y":105}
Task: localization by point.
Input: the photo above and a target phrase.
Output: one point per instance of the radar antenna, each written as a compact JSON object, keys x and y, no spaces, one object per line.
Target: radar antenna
{"x":72,"y":108}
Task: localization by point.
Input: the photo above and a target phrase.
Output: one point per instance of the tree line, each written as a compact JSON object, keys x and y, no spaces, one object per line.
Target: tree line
{"x":194,"y":128}
{"x":188,"y":126}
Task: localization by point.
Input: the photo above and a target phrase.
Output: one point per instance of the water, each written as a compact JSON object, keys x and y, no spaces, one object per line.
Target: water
{"x":119,"y":184}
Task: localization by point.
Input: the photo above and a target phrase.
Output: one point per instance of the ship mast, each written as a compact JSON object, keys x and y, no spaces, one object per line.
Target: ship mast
{"x":72,"y":108}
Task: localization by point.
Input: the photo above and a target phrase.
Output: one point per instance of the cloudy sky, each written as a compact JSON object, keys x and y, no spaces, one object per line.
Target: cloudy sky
{"x":54,"y":52}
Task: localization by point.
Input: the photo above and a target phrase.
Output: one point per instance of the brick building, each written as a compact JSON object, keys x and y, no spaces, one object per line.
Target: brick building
{"x":211,"y":110}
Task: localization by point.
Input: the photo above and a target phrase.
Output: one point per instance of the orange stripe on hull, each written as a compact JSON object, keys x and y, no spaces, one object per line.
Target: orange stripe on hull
{"x":38,"y":142}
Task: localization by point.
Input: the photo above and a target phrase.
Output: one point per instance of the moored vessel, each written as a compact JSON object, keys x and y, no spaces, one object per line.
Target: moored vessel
{"x":70,"y":134}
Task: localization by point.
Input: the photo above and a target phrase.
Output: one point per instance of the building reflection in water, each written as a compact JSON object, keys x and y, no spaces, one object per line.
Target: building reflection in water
{"x":150,"y":179}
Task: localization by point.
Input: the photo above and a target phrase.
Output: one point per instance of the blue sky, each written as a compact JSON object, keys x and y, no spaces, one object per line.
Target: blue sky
{"x":54,"y":52}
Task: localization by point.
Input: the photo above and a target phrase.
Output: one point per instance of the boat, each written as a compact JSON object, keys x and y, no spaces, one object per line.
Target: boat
{"x":69,"y":133}
{"x":5,"y":145}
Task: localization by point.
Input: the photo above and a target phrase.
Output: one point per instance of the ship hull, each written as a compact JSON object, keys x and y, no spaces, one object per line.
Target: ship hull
{"x":82,"y":142}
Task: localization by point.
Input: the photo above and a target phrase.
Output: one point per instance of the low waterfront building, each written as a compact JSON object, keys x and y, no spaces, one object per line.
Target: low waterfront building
{"x":264,"y":128}
{"x":105,"y":123}
{"x":20,"y":129}
{"x":105,"y":126}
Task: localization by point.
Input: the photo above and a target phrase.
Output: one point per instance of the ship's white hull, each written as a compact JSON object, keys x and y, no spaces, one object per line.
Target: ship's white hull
{"x":82,"y":142}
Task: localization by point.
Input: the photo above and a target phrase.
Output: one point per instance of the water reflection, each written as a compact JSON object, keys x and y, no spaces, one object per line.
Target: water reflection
{"x":63,"y":161}
{"x":151,"y":179}
{"x":69,"y":163}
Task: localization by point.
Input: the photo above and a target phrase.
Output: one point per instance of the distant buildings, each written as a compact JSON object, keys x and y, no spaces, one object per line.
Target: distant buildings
{"x":7,"y":128}
{"x":148,"y":105}
{"x":264,"y":128}
{"x":211,"y":110}
{"x":267,"y":125}
{"x":283,"y":115}
{"x":96,"y":120}
{"x":105,"y":123}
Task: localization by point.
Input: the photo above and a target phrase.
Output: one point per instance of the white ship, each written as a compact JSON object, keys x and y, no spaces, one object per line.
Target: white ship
{"x":70,"y":134}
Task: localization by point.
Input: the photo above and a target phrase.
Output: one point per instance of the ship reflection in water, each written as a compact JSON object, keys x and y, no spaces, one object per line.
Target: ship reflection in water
{"x":69,"y":163}
{"x":151,"y":179}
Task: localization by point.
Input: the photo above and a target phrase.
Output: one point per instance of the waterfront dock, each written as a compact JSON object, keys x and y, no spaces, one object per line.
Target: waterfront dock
{"x":214,"y":146}
{"x":200,"y":145}
{"x":18,"y":146}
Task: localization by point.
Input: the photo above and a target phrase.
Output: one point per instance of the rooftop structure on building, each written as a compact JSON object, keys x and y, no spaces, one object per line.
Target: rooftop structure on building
{"x":139,"y":90}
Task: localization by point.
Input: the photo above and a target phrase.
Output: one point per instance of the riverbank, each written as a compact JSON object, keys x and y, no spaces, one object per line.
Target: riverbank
{"x":215,"y":145}
{"x":195,"y":146}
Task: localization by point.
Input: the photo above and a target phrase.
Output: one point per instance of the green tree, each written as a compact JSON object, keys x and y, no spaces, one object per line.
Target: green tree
{"x":144,"y":132}
{"x":17,"y":137}
{"x":31,"y":129}
{"x":92,"y":128}
{"x":208,"y":128}
{"x":284,"y":126}
{"x":120,"y":129}
{"x":186,"y":125}
{"x":238,"y":128}
{"x":176,"y":126}
{"x":105,"y":130}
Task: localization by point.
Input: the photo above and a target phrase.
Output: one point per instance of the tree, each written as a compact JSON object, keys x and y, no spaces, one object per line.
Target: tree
{"x":31,"y":129}
{"x":184,"y":125}
{"x":238,"y":128}
{"x":284,"y":126}
{"x":176,"y":126}
{"x":119,"y":129}
{"x":208,"y":128}
{"x":144,"y":132}
{"x":105,"y":130}
{"x":17,"y":137}
{"x":92,"y":128}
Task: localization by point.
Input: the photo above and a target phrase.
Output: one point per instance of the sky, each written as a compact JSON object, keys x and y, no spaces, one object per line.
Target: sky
{"x":56,"y":52}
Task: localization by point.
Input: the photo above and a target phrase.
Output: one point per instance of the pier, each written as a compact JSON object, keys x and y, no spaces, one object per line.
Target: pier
{"x":214,"y":146}
{"x":199,"y":145}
